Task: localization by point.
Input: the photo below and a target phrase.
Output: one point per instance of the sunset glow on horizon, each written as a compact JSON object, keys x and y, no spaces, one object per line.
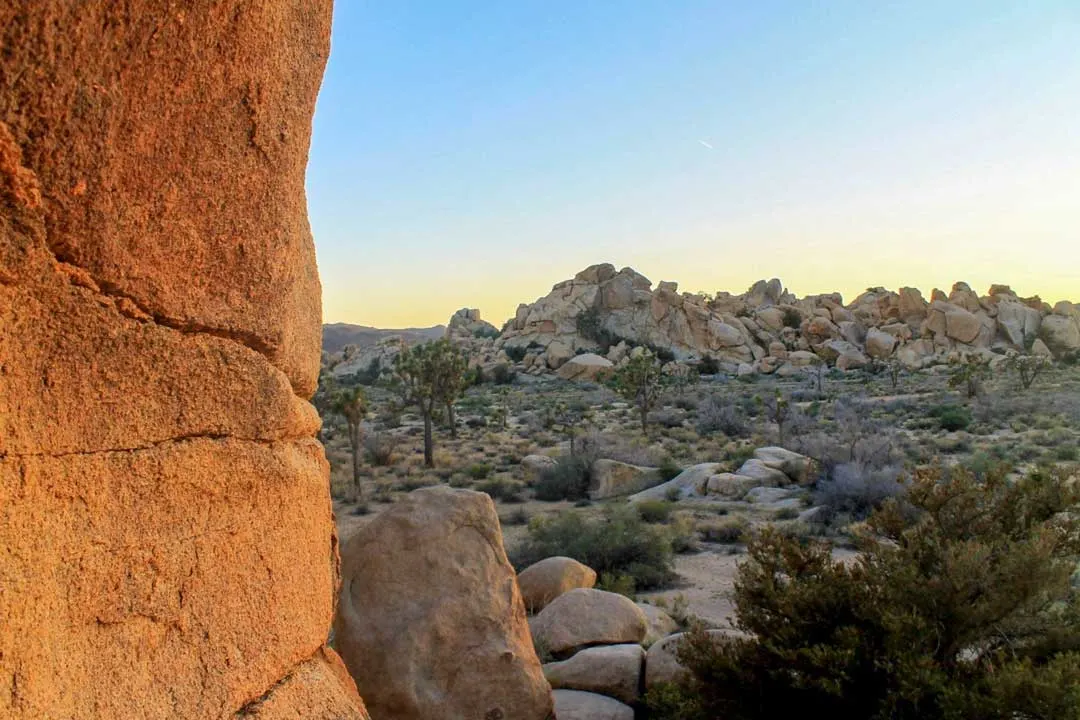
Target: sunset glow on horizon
{"x":473,"y":155}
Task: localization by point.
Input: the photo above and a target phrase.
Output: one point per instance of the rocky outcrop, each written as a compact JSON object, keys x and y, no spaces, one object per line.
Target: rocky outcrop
{"x":767,"y":329}
{"x":769,"y":467}
{"x":168,"y":540}
{"x":587,"y":366}
{"x":371,"y":359}
{"x":543,"y":581}
{"x":466,"y":323}
{"x":611,"y":478}
{"x":431,"y":622}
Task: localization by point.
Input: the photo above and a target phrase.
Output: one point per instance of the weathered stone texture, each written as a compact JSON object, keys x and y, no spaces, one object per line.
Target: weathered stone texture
{"x":167,"y":546}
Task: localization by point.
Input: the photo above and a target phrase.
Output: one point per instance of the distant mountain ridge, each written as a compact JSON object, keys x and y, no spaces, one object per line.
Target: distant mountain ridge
{"x":337,"y":335}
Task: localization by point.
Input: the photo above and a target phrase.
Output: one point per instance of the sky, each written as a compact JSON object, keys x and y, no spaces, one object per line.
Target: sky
{"x":473,"y":154}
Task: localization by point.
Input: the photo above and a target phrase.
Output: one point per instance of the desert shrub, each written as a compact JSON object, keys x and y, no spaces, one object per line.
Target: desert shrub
{"x":1066,"y":453}
{"x":685,"y":402}
{"x":515,"y":352}
{"x":856,"y":489}
{"x":478,"y":471}
{"x":708,"y":365}
{"x":415,"y":483}
{"x":618,"y":543}
{"x":503,"y":374}
{"x":595,"y":445}
{"x":516,"y":517}
{"x":663,"y":354}
{"x":791,"y":317}
{"x":621,"y":584}
{"x":951,"y":417}
{"x":655,"y":511}
{"x":961,"y":610}
{"x":379,"y":448}
{"x":727,"y":530}
{"x":483,"y":333}
{"x":786,"y":513}
{"x":568,"y":479}
{"x":717,"y":415}
{"x":590,"y":325}
{"x":668,"y":469}
{"x":501,"y":489}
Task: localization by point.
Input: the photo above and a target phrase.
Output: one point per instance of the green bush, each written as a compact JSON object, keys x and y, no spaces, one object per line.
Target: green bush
{"x":618,"y":543}
{"x":727,"y":531}
{"x":514,"y":352}
{"x":668,"y":469}
{"x":503,"y":374}
{"x":655,"y":511}
{"x":1066,"y":453}
{"x":961,"y":607}
{"x":568,"y":479}
{"x":478,"y":471}
{"x":791,"y":318}
{"x":951,"y":417}
{"x":501,"y":489}
{"x":708,"y":366}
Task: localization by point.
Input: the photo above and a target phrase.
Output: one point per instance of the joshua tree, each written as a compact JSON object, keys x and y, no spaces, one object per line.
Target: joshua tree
{"x":570,"y":418}
{"x":777,"y":409}
{"x":351,"y":403}
{"x":1027,"y":368}
{"x":640,"y":382}
{"x":818,"y":369}
{"x":429,"y":376}
{"x":968,"y":373}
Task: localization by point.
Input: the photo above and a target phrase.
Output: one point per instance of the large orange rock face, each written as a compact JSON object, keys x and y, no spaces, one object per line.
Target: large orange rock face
{"x":167,"y":546}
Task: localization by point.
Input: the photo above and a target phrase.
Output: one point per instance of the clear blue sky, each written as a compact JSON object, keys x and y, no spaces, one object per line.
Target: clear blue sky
{"x":475,"y":153}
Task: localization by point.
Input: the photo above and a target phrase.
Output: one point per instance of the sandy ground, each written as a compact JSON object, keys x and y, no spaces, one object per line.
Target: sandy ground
{"x":706,"y":580}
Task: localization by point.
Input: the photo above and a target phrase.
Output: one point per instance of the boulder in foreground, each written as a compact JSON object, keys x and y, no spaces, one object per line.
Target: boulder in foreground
{"x":431,"y":623}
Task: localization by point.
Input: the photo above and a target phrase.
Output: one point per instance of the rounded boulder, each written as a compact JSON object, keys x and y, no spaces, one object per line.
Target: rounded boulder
{"x":543,"y":581}
{"x":584,"y":617}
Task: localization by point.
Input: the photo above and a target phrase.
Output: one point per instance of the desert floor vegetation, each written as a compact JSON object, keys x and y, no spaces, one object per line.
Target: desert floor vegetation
{"x":866,"y":434}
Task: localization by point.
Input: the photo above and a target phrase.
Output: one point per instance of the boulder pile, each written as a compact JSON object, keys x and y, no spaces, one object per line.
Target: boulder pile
{"x":598,"y":644}
{"x":769,"y":330}
{"x":769,"y":468}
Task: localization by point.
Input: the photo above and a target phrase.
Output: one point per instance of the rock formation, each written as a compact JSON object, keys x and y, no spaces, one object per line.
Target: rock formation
{"x":431,"y":622}
{"x":609,"y":312}
{"x":168,"y":542}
